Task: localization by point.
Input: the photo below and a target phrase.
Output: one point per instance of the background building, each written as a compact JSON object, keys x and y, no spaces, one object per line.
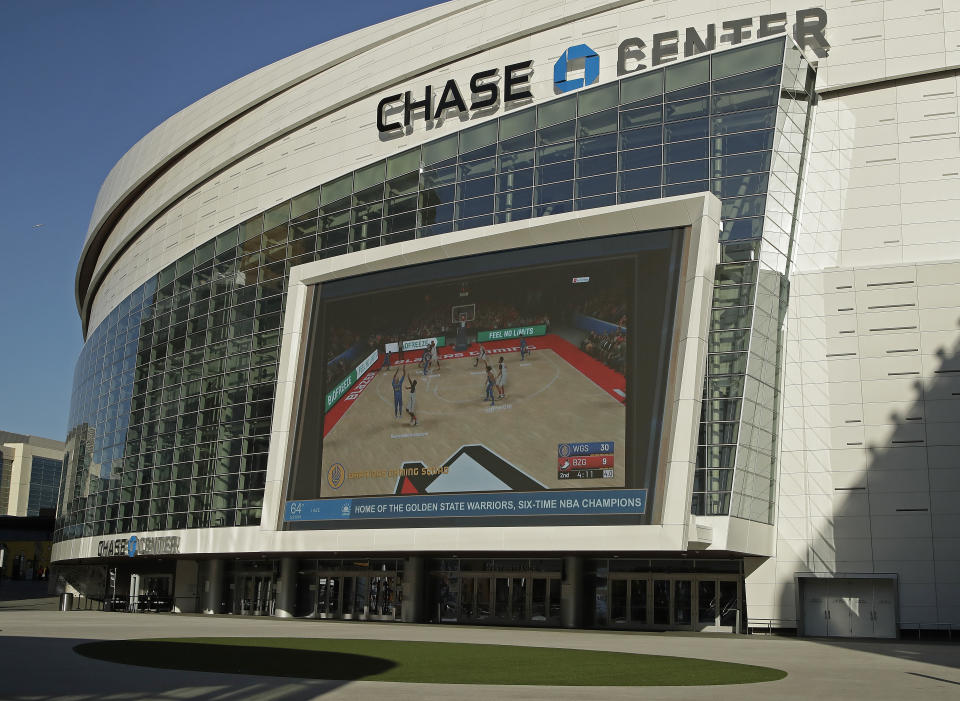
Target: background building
{"x":29,"y":474}
{"x":812,"y":474}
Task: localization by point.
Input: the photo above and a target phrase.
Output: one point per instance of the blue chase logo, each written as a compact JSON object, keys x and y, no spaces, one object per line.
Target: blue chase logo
{"x":591,"y":68}
{"x":132,"y":546}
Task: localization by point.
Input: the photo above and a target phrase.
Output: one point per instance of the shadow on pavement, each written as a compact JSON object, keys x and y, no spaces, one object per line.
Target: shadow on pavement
{"x":48,"y":668}
{"x":237,"y":659}
{"x":933,"y":652}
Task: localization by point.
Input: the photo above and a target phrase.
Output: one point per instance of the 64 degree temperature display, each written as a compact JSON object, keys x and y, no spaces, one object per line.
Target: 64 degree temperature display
{"x":589,"y":460}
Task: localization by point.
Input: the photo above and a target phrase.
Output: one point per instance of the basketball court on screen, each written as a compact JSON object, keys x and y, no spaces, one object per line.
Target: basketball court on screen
{"x":556,"y":395}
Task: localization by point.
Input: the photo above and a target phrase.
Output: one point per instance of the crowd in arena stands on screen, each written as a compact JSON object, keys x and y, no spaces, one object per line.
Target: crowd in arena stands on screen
{"x":609,"y":348}
{"x":609,"y":307}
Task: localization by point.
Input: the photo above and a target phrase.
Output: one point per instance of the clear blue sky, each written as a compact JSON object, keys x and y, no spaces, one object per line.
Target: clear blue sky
{"x":81,"y":81}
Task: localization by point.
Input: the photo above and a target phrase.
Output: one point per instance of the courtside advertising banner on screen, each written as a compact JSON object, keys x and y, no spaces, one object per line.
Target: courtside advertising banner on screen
{"x":520,"y":411}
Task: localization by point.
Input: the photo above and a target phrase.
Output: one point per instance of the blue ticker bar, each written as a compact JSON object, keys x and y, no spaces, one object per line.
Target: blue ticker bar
{"x":557,"y":503}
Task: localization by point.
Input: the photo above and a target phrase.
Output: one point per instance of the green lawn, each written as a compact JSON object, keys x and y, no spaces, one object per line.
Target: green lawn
{"x":438,"y":663}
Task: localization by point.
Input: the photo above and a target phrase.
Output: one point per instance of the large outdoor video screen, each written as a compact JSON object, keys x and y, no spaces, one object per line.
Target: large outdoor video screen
{"x":510,"y":387}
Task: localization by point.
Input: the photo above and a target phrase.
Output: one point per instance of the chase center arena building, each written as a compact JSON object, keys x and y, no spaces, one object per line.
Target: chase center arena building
{"x":717,"y":250}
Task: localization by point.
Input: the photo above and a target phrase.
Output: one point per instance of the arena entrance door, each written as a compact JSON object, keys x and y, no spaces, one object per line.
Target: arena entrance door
{"x":503,"y":598}
{"x":673,"y":601}
{"x":370,"y":596}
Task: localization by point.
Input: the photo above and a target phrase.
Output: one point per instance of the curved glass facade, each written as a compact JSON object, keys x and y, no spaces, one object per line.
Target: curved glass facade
{"x":173,"y":392}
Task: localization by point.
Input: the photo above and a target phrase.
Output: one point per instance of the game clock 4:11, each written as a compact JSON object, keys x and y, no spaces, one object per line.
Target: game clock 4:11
{"x":592,"y":460}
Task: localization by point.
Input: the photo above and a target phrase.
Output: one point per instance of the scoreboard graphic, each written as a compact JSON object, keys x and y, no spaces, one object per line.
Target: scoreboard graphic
{"x":590,"y":460}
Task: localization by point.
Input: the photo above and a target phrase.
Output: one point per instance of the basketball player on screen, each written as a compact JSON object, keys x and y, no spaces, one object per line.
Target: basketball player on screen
{"x":397,"y":383}
{"x":412,"y":402}
{"x":501,"y":377}
{"x":482,"y":358}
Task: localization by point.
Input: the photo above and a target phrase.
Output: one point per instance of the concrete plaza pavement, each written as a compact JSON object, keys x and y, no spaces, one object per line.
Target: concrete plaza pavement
{"x":37,"y":661}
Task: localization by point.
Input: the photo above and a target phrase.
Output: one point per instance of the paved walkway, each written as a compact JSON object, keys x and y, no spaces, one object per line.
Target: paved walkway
{"x":37,"y":662}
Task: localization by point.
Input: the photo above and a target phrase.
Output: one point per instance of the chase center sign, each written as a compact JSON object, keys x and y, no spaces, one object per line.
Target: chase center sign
{"x":633,"y":54}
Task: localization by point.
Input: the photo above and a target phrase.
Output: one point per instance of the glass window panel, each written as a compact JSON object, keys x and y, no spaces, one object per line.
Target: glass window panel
{"x":597,"y":185}
{"x":400,"y":222}
{"x":369,"y":176}
{"x":367,"y":212}
{"x":205,"y":252}
{"x":308,"y":201}
{"x":597,"y":201}
{"x":275,"y":216}
{"x":428,"y":229}
{"x":757,"y":162}
{"x":512,"y":125}
{"x":598,"y":123}
{"x":545,"y":210}
{"x":641,"y":87}
{"x":683,"y":172}
{"x":274,"y":236}
{"x":366,"y":230}
{"x":371,"y":194}
{"x":687,"y":73}
{"x":334,"y":221}
{"x":336,"y":237}
{"x":556,"y":172}
{"x":515,"y":179}
{"x":546,"y":194}
{"x":685,"y":188}
{"x":402,"y":163}
{"x":436,"y":178}
{"x":556,"y":111}
{"x":741,"y":60}
{"x":403,"y":184}
{"x":336,"y":205}
{"x":685,"y":150}
{"x":687,"y":109}
{"x":251,"y":227}
{"x":640,"y":158}
{"x":517,"y":143}
{"x":514,"y":199}
{"x":644,"y":177}
{"x":408,"y":235}
{"x":599,"y":98}
{"x":597,"y":165}
{"x":512,"y":215}
{"x":477,"y":169}
{"x":553,"y":154}
{"x":739,"y":185}
{"x":473,"y":222}
{"x":690,"y":129}
{"x":744,"y":121}
{"x":743,"y":207}
{"x":478,"y":136}
{"x":596,"y":145}
{"x":434,"y":215}
{"x":434,"y":196}
{"x":440,"y":150}
{"x":631,"y":119}
{"x":304,"y":228}
{"x":474,"y":207}
{"x":514,"y":161}
{"x":743,"y":142}
{"x":687,"y":93}
{"x":740,"y":229}
{"x":746,"y":100}
{"x":555,"y":134}
{"x":227,"y":240}
{"x":753,"y":79}
{"x":475,"y":188}
{"x":398,"y":205}
{"x":637,"y":138}
{"x":336,"y":189}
